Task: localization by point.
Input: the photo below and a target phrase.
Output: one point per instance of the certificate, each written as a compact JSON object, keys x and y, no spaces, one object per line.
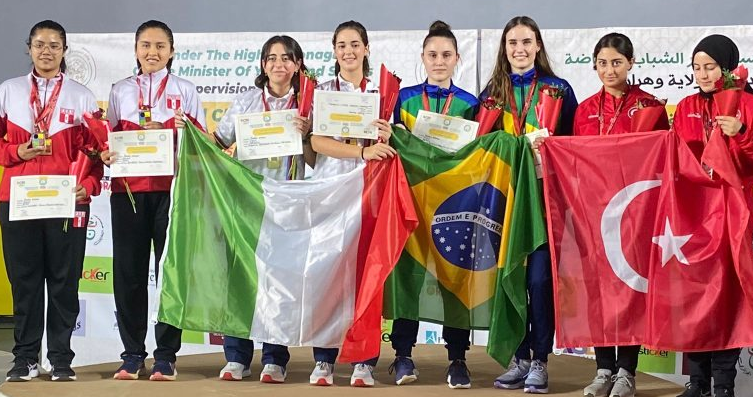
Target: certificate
{"x":267,"y":135}
{"x":445,"y":132}
{"x":42,"y":197}
{"x":142,"y":153}
{"x":542,"y":133}
{"x":346,"y":114}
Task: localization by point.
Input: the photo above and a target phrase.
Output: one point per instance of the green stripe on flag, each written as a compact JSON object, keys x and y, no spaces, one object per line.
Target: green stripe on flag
{"x":480,"y":216}
{"x":209,"y":267}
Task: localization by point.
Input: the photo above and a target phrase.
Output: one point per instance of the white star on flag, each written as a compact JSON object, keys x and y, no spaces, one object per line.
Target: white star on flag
{"x":462,"y":247}
{"x":448,"y":248}
{"x":436,"y":231}
{"x":442,"y":240}
{"x":671,"y":245}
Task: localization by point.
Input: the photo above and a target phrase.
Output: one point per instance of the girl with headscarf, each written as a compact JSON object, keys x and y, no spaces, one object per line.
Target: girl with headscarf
{"x":696,"y":118}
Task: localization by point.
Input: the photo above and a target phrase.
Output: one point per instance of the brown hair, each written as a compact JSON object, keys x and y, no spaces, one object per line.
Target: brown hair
{"x":292,"y":50}
{"x":499,"y":83}
{"x":441,"y":29}
{"x":364,"y":37}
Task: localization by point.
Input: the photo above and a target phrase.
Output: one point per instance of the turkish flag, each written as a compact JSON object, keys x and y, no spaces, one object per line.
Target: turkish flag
{"x":702,"y":257}
{"x":646,"y":247}
{"x":600,"y":195}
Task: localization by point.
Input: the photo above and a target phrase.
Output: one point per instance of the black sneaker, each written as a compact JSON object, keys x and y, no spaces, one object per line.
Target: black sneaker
{"x":62,"y":373}
{"x":692,"y":390}
{"x":458,"y":375}
{"x":23,"y":370}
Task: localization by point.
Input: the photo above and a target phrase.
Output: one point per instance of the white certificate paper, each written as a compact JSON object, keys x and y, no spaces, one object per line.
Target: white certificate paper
{"x":542,"y":133}
{"x":42,"y":197}
{"x":267,"y":135}
{"x":445,"y":132}
{"x":142,"y":153}
{"x":346,"y":114}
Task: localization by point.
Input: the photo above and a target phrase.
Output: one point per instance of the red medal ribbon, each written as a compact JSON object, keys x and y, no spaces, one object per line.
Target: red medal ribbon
{"x":617,"y":111}
{"x":362,"y":85}
{"x":160,"y":91}
{"x":518,"y":123}
{"x":288,"y":105}
{"x":43,"y":116}
{"x":445,"y":108}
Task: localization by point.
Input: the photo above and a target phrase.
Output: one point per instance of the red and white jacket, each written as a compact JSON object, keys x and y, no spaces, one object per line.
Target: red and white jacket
{"x":67,"y":130}
{"x":688,"y":124}
{"x":123,"y":114}
{"x":587,"y":114}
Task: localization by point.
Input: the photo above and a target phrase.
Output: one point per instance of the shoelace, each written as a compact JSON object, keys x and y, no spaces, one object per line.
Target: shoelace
{"x":392,"y":368}
{"x":603,"y":378}
{"x":461,"y":364}
{"x":515,"y":367}
{"x":536,"y":366}
{"x":322,"y":365}
{"x":623,"y":380}
{"x":364,"y":367}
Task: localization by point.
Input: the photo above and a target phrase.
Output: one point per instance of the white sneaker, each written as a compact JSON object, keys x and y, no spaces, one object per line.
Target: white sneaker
{"x":362,"y":376}
{"x":272,"y":373}
{"x":515,"y":376}
{"x":601,"y":384}
{"x":624,"y":384}
{"x":537,"y":381}
{"x":235,"y":371}
{"x":322,"y":374}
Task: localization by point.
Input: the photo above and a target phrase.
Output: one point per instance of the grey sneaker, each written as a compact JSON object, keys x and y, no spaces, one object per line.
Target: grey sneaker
{"x":624,"y":384}
{"x":601,"y":384}
{"x":515,"y":376}
{"x":322,"y":374}
{"x":537,"y":381}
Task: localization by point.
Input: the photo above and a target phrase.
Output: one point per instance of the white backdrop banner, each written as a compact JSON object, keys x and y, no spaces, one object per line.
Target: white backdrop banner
{"x":225,"y":64}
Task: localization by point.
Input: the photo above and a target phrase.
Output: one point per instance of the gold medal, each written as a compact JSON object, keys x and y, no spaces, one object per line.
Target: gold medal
{"x":274,"y":163}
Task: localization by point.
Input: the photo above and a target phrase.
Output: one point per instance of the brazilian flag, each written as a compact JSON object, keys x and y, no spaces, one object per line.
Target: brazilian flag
{"x":480,"y":214}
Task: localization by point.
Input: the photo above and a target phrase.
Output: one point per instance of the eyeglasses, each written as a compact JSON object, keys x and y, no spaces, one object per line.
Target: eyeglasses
{"x":40,"y":45}
{"x":284,"y":60}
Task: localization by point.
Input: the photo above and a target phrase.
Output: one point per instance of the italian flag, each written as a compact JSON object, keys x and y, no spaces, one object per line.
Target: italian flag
{"x":295,"y":263}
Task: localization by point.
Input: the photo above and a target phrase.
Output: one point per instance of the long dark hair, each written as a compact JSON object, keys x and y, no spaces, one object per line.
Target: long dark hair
{"x":292,"y":49}
{"x":499,"y":84}
{"x":158,"y":25}
{"x":52,"y":25}
{"x":364,"y":37}
{"x":618,"y":41}
{"x":441,"y":29}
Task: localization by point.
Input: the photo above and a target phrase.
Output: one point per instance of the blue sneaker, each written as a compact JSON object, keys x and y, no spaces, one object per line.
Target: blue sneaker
{"x":131,"y":368}
{"x":163,"y":370}
{"x":458,"y":375}
{"x":405,"y":370}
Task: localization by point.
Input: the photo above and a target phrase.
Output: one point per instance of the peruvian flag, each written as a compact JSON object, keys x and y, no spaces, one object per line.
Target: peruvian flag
{"x":67,"y":115}
{"x":295,"y":263}
{"x":173,"y":101}
{"x":646,"y":248}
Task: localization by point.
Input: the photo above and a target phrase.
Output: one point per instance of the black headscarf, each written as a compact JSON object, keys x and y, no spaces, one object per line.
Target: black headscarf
{"x":722,"y":50}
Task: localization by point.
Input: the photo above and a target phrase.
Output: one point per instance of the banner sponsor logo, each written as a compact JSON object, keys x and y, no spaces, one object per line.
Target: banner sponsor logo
{"x":96,"y":276}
